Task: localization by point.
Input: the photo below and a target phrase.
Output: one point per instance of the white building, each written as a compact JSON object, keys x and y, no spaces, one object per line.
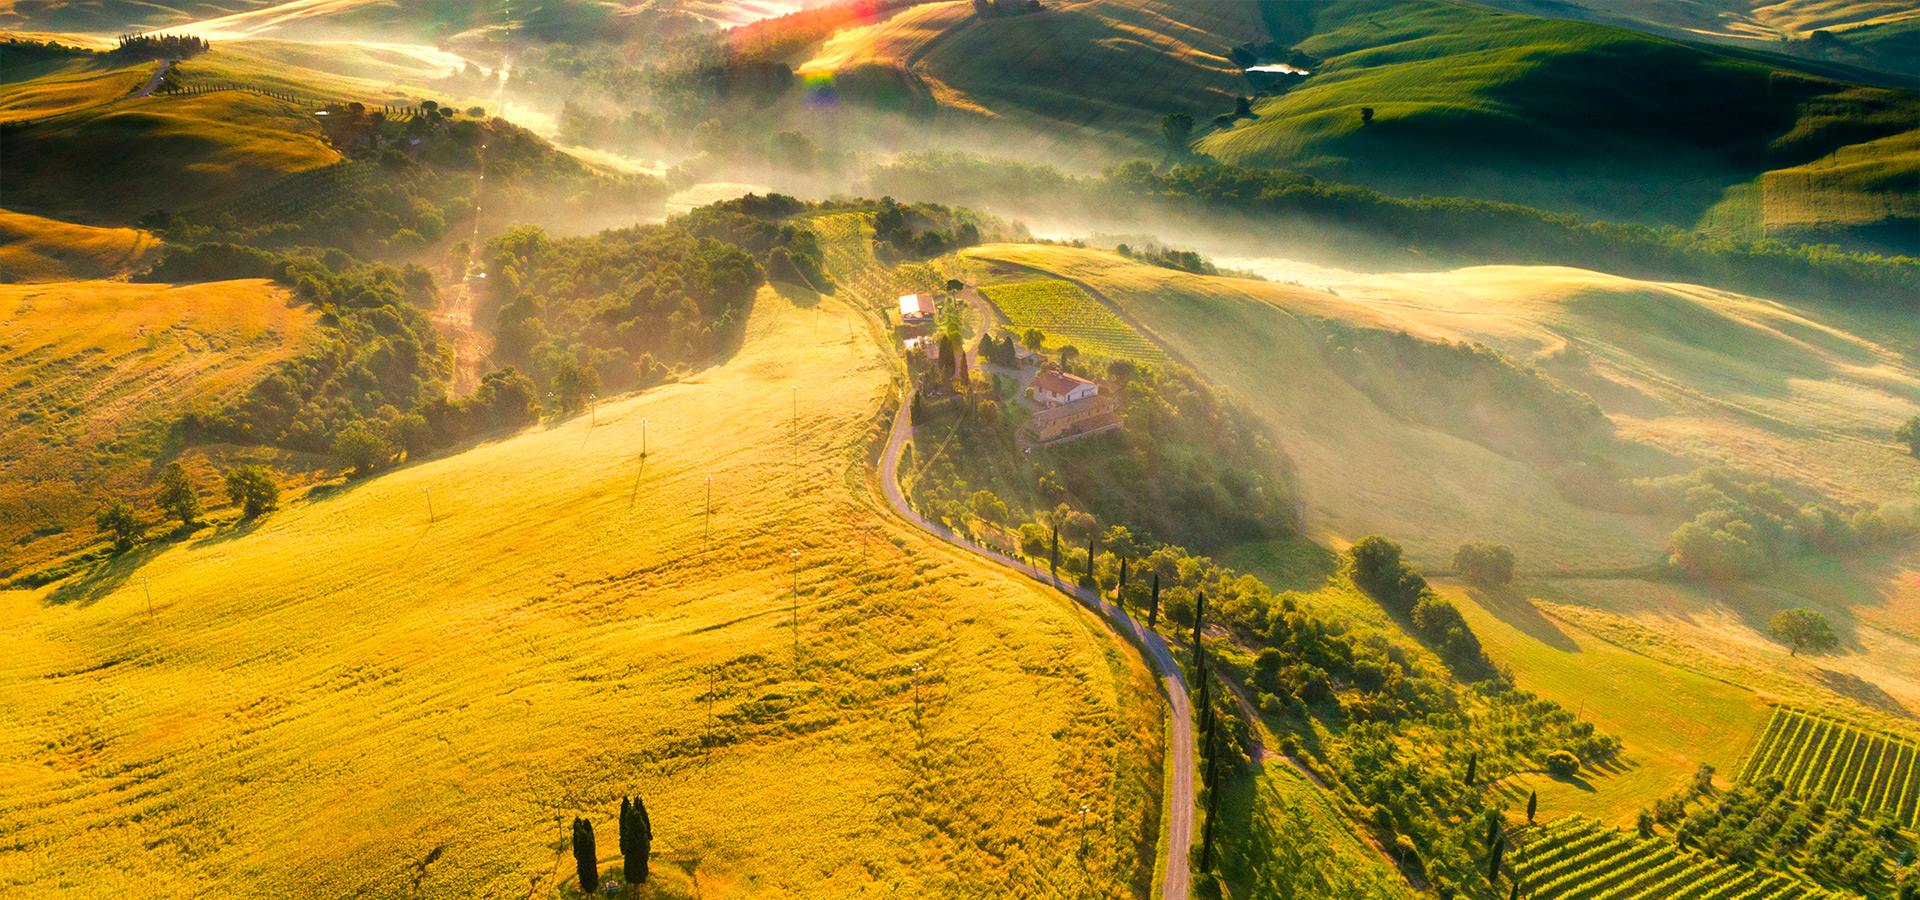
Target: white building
{"x":1056,"y":388}
{"x":916,"y":308}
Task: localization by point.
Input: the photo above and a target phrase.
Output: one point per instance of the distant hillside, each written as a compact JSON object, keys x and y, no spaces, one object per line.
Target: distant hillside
{"x":1876,"y":34}
{"x":36,"y":249}
{"x":1568,"y":116}
{"x":93,"y":379}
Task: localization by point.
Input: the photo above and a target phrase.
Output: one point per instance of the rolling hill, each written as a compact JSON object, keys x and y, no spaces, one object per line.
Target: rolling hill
{"x":33,"y":249}
{"x":1803,"y":396}
{"x":1569,"y":116}
{"x":96,"y":377}
{"x":360,"y":694}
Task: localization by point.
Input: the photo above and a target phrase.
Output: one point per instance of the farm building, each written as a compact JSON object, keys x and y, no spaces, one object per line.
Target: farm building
{"x":916,"y":308}
{"x":1057,"y":388}
{"x":1076,"y":419}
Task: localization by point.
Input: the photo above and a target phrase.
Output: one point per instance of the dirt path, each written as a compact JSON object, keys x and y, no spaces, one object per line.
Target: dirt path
{"x":471,"y":348}
{"x":159,"y":75}
{"x":1180,"y":746}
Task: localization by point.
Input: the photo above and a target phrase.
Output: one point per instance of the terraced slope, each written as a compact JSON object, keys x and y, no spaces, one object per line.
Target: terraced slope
{"x":355,"y":695}
{"x":1832,"y":760}
{"x":1577,"y":858}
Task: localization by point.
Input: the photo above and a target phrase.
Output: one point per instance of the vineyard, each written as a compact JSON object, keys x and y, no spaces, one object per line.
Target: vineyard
{"x":1064,"y":313}
{"x":1576,"y":858}
{"x":1828,"y":759}
{"x":846,"y":239}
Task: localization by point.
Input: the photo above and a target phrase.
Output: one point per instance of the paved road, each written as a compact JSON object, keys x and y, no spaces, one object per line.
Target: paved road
{"x":1180,"y":744}
{"x":154,"y":82}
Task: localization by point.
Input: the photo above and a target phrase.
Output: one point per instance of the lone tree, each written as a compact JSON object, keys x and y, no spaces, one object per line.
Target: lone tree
{"x":176,"y":496}
{"x":1366,"y":115}
{"x":1909,"y":432}
{"x":1034,"y":339}
{"x":636,"y":838}
{"x":254,"y":489}
{"x":1177,"y":129}
{"x":1473,"y":762}
{"x":118,"y":520}
{"x":1533,"y":805}
{"x":1484,"y":565}
{"x":585,"y":861}
{"x":1803,"y":629}
{"x":1153,"y":611}
{"x":362,"y":449}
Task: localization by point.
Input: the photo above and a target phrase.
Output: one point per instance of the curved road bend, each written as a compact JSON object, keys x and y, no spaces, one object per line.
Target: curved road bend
{"x":154,"y":82}
{"x":1172,"y":680}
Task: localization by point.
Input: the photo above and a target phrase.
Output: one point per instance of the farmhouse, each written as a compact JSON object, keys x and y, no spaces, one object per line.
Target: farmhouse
{"x":916,"y":308}
{"x":1056,"y":388}
{"x":1078,"y":419}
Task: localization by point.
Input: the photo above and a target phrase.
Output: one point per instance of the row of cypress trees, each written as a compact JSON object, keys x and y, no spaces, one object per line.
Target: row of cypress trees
{"x":636,"y":846}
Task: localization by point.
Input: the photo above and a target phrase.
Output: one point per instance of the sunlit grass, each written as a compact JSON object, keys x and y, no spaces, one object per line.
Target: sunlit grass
{"x":323,"y":698}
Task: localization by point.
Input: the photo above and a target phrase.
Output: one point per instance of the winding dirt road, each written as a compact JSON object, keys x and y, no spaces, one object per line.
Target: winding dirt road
{"x":1180,"y":746}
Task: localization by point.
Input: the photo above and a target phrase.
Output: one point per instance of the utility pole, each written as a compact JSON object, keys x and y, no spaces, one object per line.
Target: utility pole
{"x":643,"y":439}
{"x":147,"y":586}
{"x":917,"y":668}
{"x":1084,"y":809}
{"x":796,"y":607}
{"x":430,"y":518}
{"x":593,"y":410}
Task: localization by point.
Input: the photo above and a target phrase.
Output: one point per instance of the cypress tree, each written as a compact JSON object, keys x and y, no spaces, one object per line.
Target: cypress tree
{"x":1199,"y":611}
{"x":1153,"y":612}
{"x":1053,"y":561}
{"x":1493,"y":832}
{"x":1493,"y":862}
{"x":1120,"y":593}
{"x":1515,"y":893}
{"x":1473,"y":760}
{"x":1533,"y":804}
{"x":585,"y":861}
{"x":636,"y":839}
{"x":1091,"y":543}
{"x":1213,"y":803}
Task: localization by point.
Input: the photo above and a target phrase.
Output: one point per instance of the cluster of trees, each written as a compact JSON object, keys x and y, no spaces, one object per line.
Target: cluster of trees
{"x":1447,"y":229}
{"x":1165,"y":257}
{"x":636,"y":847}
{"x":1484,"y":565}
{"x":1000,"y":351}
{"x":920,"y":230}
{"x":250,"y":487}
{"x":22,"y":52}
{"x":1764,"y":823}
{"x":159,"y":46}
{"x":1376,"y":567}
{"x":376,"y":353}
{"x":1741,"y":528}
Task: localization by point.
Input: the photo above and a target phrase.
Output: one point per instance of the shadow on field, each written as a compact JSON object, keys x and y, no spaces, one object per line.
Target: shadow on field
{"x":1861,"y":690}
{"x":87,"y":587}
{"x":239,"y":529}
{"x":1512,"y":607}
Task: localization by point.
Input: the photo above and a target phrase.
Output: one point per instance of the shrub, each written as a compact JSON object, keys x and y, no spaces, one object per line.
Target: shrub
{"x":176,"y":495}
{"x":254,"y":489}
{"x":1562,"y":764}
{"x":362,"y":448}
{"x":118,"y":521}
{"x":1484,"y":565}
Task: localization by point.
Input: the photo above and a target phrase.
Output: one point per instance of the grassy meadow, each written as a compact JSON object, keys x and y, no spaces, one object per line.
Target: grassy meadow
{"x":1802,"y":395}
{"x":33,"y":249}
{"x":93,"y":377}
{"x":124,"y":159}
{"x":361,"y":695}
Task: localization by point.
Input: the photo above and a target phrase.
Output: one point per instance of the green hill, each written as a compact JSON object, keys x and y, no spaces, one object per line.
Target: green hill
{"x":1438,"y":446}
{"x":1569,"y":116}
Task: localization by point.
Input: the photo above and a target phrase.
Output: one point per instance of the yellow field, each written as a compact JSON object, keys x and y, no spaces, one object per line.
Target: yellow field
{"x":326,"y":700}
{"x":36,"y":249}
{"x":93,"y":374}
